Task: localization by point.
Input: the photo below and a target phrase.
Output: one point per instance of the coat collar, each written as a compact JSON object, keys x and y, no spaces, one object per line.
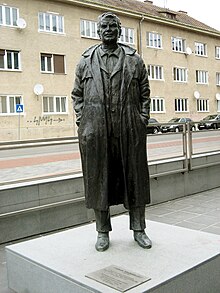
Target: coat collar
{"x":92,"y":61}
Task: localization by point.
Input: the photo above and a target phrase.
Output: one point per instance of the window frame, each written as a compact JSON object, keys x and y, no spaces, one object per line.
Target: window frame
{"x":180,"y":74}
{"x":154,"y":40}
{"x":44,"y":26}
{"x":157,"y":105}
{"x":181,"y":105}
{"x":178,"y":44}
{"x":127,"y":33}
{"x":155,"y":71}
{"x":54,"y":99}
{"x":201,"y":49}
{"x":8,"y":104}
{"x":89,"y":31}
{"x":218,"y":105}
{"x":13,"y":18}
{"x":51,"y":69}
{"x":202,"y":105}
{"x":218,"y":78}
{"x":217,"y":52}
{"x":202,"y":77}
{"x":12,"y":60}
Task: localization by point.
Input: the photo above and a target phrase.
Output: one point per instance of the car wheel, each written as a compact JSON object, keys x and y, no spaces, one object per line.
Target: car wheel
{"x":193,"y":128}
{"x":155,"y":130}
{"x":177,"y":129}
{"x":215,"y":126}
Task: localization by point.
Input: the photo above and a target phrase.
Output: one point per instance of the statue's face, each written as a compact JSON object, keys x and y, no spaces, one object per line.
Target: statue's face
{"x":109,"y":31}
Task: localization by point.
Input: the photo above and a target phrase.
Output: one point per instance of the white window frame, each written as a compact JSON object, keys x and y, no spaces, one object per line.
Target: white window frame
{"x":218,"y":105}
{"x":46,"y":22}
{"x":157,"y":105}
{"x":47,"y":60}
{"x":154,"y":40}
{"x":181,"y":105}
{"x":127,"y":36}
{"x":203,"y":105}
{"x":217,"y":52}
{"x":218,"y":78}
{"x":13,"y":15}
{"x":10,"y":104}
{"x":88,"y":29}
{"x":180,"y":74}
{"x":178,"y":44}
{"x":52,"y":61}
{"x":155,"y":72}
{"x":201,"y":76}
{"x":52,"y":108}
{"x":200,"y":49}
{"x":6,"y":60}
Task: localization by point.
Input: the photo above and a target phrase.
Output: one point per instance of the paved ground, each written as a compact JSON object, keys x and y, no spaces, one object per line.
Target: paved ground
{"x":198,"y":212}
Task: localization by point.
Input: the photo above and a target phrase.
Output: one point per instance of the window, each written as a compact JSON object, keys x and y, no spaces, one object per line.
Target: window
{"x":127,"y":36}
{"x":154,"y":40}
{"x":9,"y":60}
{"x":217,"y":52}
{"x":155,"y":72}
{"x":180,"y":74}
{"x":202,"y":76}
{"x":55,"y":104}
{"x":181,"y":105}
{"x":200,"y":49}
{"x":178,"y":44}
{"x":52,"y":63}
{"x":218,"y":78}
{"x":50,"y":22}
{"x":218,"y":105}
{"x":157,"y":105}
{"x":8,"y":103}
{"x":8,"y":15}
{"x":203,"y":105}
{"x":89,"y":29}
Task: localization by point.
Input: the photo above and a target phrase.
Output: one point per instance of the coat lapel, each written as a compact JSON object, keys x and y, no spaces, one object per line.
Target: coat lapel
{"x":94,"y":67}
{"x":127,"y":74}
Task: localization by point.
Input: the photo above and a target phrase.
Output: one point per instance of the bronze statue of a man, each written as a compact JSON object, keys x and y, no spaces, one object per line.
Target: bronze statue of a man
{"x":111,"y":101}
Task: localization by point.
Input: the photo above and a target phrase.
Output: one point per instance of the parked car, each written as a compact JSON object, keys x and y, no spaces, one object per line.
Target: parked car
{"x":174,"y":125}
{"x":153,"y":126}
{"x":210,"y":122}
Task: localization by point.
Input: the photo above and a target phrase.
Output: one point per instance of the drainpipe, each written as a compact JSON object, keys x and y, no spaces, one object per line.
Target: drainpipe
{"x":139,"y":47}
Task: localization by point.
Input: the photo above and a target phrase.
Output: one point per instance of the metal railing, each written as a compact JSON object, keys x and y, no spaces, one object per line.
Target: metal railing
{"x":187,"y":164}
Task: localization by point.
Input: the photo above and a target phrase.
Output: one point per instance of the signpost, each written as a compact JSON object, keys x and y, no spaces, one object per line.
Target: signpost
{"x":19,"y":110}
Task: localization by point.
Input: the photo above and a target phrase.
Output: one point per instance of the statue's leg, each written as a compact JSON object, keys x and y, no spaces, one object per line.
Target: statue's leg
{"x":137,"y":224}
{"x":103,"y":226}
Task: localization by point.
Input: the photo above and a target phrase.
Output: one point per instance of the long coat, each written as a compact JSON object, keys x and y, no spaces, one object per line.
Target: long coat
{"x":88,"y":100}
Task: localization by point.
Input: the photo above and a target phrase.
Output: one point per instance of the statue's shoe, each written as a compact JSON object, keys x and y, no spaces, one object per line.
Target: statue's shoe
{"x":142,"y":239}
{"x":102,"y":242}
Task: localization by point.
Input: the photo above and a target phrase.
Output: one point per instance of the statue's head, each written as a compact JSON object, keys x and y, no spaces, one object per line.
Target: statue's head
{"x":109,"y":28}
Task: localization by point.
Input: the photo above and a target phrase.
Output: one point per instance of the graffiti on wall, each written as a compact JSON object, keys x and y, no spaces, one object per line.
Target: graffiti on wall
{"x":45,"y":120}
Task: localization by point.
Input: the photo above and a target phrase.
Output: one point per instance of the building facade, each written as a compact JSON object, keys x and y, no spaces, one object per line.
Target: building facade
{"x":42,"y":41}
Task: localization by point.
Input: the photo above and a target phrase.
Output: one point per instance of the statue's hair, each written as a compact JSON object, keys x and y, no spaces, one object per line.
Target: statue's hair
{"x":110,"y":15}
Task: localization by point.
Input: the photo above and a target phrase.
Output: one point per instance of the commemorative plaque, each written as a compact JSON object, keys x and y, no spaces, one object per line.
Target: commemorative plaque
{"x":118,"y":278}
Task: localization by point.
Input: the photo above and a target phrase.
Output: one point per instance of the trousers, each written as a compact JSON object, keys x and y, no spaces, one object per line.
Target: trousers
{"x":137,"y":220}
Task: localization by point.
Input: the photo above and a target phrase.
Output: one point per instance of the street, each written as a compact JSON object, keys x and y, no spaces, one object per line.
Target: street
{"x":28,"y":163}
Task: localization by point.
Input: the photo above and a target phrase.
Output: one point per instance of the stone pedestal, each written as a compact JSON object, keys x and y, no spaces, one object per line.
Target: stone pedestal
{"x":181,"y":260}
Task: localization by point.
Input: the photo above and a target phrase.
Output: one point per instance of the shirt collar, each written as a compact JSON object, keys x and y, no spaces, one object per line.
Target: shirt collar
{"x":115,"y":53}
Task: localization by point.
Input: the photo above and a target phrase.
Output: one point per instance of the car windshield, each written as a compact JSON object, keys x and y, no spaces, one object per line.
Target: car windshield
{"x":175,"y":120}
{"x":209,"y":117}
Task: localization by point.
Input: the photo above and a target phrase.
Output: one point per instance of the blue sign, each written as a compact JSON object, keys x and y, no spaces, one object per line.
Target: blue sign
{"x":19,"y":108}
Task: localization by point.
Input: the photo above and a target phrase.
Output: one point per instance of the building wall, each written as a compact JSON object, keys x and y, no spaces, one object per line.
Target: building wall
{"x":33,"y":123}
